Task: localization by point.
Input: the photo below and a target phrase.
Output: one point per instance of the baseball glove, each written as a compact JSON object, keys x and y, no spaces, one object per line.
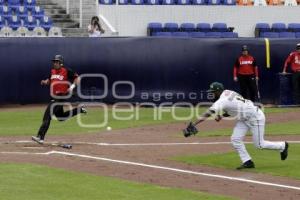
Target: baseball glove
{"x":190,"y":130}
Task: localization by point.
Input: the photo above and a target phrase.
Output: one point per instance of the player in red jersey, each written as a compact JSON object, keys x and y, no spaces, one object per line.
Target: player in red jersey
{"x":62,"y":82}
{"x":293,"y":61}
{"x":245,"y":71}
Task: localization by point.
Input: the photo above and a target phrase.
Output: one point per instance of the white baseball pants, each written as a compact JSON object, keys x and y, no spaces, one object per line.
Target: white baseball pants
{"x":256,"y":125}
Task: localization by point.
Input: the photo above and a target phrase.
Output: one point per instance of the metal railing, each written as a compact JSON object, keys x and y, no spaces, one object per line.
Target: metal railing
{"x":80,"y":10}
{"x":105,"y":21}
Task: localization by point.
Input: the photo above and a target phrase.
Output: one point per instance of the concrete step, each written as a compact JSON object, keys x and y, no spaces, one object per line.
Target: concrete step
{"x":58,"y":14}
{"x":61,"y":20}
{"x":44,"y":2}
{"x":67,"y":25}
{"x":55,"y":11}
{"x":55,"y":6}
{"x":61,"y":16}
{"x":75,"y":32}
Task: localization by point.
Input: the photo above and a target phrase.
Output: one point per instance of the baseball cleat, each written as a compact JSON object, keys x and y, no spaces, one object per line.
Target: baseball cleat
{"x":83,"y":110}
{"x":284,"y":153}
{"x":246,"y":165}
{"x":37,"y":139}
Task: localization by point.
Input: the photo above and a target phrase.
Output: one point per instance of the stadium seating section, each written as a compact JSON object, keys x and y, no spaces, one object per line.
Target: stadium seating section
{"x":200,"y":30}
{"x":23,"y":18}
{"x":204,"y":2}
{"x":277,"y":30}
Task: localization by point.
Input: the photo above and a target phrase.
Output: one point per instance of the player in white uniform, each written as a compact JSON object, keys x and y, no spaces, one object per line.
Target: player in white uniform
{"x":249,"y":118}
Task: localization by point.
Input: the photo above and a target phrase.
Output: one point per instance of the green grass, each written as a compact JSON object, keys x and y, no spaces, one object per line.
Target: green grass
{"x":33,"y":182}
{"x":266,"y":161}
{"x":15,"y":122}
{"x":280,"y":110}
{"x":285,"y":128}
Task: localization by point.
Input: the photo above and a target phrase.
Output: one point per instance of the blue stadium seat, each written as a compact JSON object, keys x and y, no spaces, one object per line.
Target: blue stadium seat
{"x":188,"y":27}
{"x":152,"y":2}
{"x":2,"y":2}
{"x":162,"y":34}
{"x":137,"y":2}
{"x":123,"y":2}
{"x":6,"y":12}
{"x":171,"y":27}
{"x":14,"y":22}
{"x":30,"y":23}
{"x":203,"y":27}
{"x":106,"y":2}
{"x":184,"y":2}
{"x":214,"y":2}
{"x":213,"y":35}
{"x":168,"y":2}
{"x":295,"y":27}
{"x":197,"y":34}
{"x":46,"y":23}
{"x":263,"y":27}
{"x":279,"y":27}
{"x":229,"y":2}
{"x":30,"y":4}
{"x":219,"y":27}
{"x":229,"y":35}
{"x":154,"y":27}
{"x":180,"y":34}
{"x":22,"y":12}
{"x":270,"y":34}
{"x":38,"y":12}
{"x":14,"y":4}
{"x":287,"y":35}
{"x":297,"y":35}
{"x":199,"y":2}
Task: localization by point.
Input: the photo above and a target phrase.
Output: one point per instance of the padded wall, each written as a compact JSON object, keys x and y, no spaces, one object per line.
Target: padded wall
{"x":154,"y":65}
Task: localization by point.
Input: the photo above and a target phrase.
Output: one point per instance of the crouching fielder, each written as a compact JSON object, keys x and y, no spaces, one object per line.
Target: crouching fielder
{"x":249,"y":118}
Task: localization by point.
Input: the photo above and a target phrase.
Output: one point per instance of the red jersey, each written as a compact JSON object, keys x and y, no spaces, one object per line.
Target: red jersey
{"x":245,"y":65}
{"x":293,"y":60}
{"x":59,"y":80}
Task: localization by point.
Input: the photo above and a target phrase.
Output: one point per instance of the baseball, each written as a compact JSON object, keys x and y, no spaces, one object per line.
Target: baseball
{"x":108,"y":128}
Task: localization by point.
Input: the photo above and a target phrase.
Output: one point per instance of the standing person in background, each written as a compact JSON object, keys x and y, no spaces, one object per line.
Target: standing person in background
{"x":293,"y":60}
{"x":245,"y":72}
{"x":62,"y":82}
{"x":95,"y":29}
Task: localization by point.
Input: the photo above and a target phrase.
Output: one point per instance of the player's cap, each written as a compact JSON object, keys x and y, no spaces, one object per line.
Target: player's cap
{"x":298,"y":46}
{"x":58,"y":58}
{"x":215,"y":86}
{"x":245,"y":48}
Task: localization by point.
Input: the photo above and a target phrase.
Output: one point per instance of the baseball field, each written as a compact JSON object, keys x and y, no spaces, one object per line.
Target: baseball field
{"x":143,"y":156}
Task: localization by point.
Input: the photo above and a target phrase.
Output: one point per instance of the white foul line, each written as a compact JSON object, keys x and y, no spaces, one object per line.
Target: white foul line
{"x":162,"y":168}
{"x":145,"y":144}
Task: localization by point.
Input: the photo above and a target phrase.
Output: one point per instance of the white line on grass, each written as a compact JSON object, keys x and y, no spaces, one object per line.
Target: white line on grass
{"x":161,"y":168}
{"x":146,"y":144}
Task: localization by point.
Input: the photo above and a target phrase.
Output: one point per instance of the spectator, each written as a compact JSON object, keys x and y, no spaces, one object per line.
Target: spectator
{"x":246,"y":73}
{"x":95,"y":29}
{"x":293,"y":60}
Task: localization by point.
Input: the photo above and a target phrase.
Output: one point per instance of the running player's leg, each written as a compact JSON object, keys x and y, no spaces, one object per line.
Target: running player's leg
{"x":46,"y":121}
{"x":257,"y":128}
{"x":237,"y":137}
{"x":64,"y":115}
